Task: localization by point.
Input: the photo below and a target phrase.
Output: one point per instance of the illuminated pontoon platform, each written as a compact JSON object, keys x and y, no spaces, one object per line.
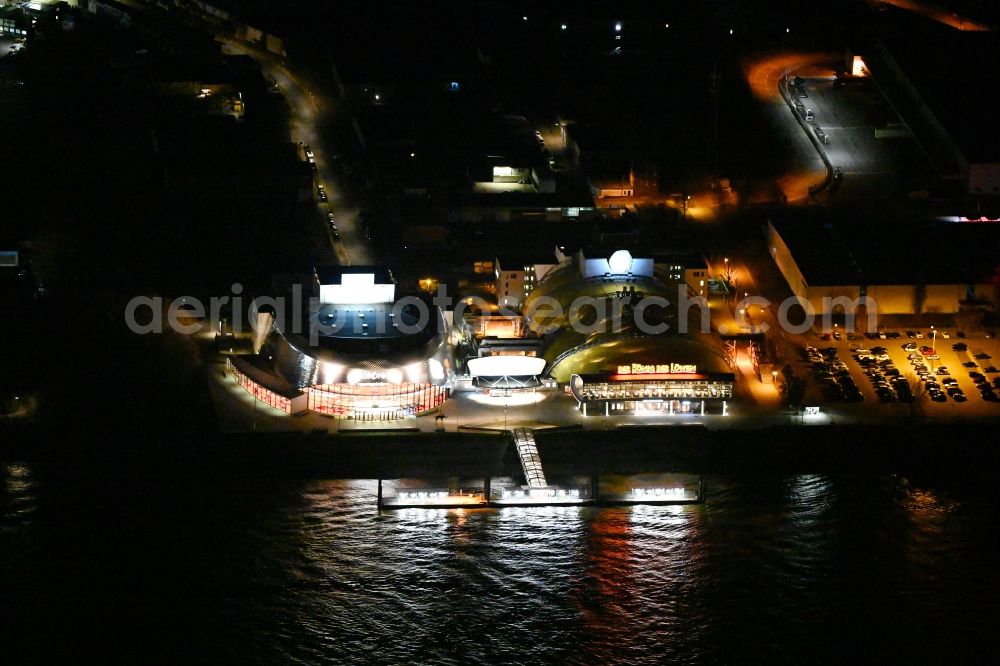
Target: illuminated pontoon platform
{"x":500,"y":492}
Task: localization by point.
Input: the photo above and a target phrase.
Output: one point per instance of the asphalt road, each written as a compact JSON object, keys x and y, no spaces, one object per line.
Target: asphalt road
{"x":874,"y":169}
{"x":800,"y":166}
{"x":308,"y":113}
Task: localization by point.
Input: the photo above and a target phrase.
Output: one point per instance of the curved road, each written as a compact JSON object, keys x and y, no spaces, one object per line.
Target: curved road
{"x":308,"y":112}
{"x":805,"y":167}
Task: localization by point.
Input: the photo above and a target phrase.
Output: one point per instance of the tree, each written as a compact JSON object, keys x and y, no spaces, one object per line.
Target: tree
{"x":795,"y":392}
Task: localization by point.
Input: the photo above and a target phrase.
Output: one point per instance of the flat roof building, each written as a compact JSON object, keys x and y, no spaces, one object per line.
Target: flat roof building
{"x":928,"y":267}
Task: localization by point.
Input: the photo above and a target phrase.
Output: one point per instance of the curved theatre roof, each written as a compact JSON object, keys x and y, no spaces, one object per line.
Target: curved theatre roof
{"x":696,"y":351}
{"x":380,"y":350}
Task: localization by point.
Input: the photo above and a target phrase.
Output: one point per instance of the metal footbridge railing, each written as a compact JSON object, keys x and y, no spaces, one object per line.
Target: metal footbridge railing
{"x":531,"y":463}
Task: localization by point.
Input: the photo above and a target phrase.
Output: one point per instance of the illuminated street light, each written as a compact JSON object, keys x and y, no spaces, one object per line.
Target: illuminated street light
{"x":525,"y":18}
{"x":562,"y":27}
{"x":666,"y":25}
{"x":618,"y":27}
{"x":730,"y":31}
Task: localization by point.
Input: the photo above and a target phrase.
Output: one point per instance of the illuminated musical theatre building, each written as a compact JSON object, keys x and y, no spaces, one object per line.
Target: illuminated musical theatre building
{"x":357,"y":353}
{"x":614,"y":366}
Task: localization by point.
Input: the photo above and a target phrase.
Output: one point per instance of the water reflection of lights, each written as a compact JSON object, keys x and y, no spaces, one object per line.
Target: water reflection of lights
{"x":671,"y":515}
{"x":810,"y":488}
{"x":515,"y":400}
{"x":928,"y":502}
{"x":531,"y":513}
{"x":425,"y":515}
{"x":19,"y":478}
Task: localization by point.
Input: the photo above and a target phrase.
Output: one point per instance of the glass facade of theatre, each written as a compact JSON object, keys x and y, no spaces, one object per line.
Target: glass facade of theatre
{"x":267,"y":396}
{"x":608,"y":394}
{"x":375,"y":401}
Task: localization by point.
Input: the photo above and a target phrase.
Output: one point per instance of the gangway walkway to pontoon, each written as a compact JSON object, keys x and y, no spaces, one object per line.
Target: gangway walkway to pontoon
{"x":531,"y":463}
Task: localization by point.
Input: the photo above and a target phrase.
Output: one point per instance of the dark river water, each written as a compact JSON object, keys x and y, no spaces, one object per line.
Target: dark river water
{"x":798,"y":569}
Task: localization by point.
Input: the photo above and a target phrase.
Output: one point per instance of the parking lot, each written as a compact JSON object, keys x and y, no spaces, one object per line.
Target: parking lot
{"x":929,"y":378}
{"x":849,"y":118}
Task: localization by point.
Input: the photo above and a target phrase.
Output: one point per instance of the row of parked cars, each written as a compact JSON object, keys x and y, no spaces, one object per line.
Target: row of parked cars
{"x":939,"y":383}
{"x":948,"y":386}
{"x":894,"y":335}
{"x":832,"y":375}
{"x":887,"y":381}
{"x":890,"y":384}
{"x":987,"y":389}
